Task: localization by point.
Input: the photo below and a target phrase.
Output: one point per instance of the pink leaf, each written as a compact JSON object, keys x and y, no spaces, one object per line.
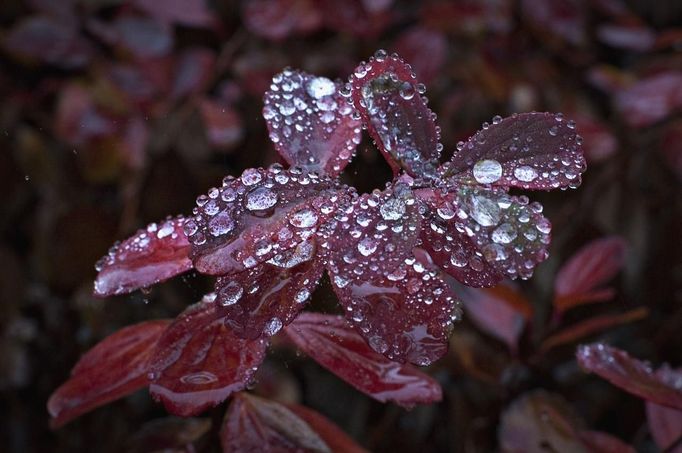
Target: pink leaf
{"x":580,"y":279}
{"x":260,"y":301}
{"x":527,"y":150}
{"x":224,"y":126}
{"x":598,"y":442}
{"x":564,"y":20}
{"x":634,"y":376}
{"x":386,"y":93}
{"x":479,"y":235}
{"x":253,"y":218}
{"x":199,"y":362}
{"x":151,"y":255}
{"x":636,"y":38}
{"x":194,"y":68}
{"x":115,"y":367}
{"x":651,"y":99}
{"x":310,"y":123}
{"x":331,"y":342}
{"x":256,"y":424}
{"x":665,"y":425}
{"x":192,"y":13}
{"x":337,"y":440}
{"x":425,"y":49}
{"x":279,"y":19}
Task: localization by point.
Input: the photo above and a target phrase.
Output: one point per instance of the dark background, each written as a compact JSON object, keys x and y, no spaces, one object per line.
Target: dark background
{"x":110,"y":120}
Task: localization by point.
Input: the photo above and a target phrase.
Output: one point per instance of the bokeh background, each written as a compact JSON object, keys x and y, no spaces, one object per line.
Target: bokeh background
{"x":117,"y":113}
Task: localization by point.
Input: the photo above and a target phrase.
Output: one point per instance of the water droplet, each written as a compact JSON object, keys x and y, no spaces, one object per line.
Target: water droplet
{"x":484,"y":210}
{"x":392,"y":209}
{"x":487,"y":171}
{"x":260,"y":199}
{"x":251,"y":176}
{"x":504,"y":234}
{"x":320,"y":87}
{"x":302,"y":295}
{"x":199,"y":378}
{"x":367,"y":246}
{"x":272,"y":327}
{"x":406,"y":91}
{"x":525,"y":173}
{"x":304,"y":218}
{"x":221,"y":224}
{"x":230,"y":294}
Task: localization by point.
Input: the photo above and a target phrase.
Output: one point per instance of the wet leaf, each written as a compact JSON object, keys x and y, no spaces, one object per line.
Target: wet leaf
{"x":192,"y":13}
{"x":311,"y":125}
{"x":114,"y":368}
{"x":650,"y":99}
{"x":331,"y":342}
{"x":391,"y":103}
{"x":335,"y":438}
{"x":256,"y":424}
{"x":663,"y":387}
{"x":279,"y":19}
{"x":537,"y":151}
{"x":260,"y":301}
{"x":598,"y":442}
{"x":253,"y":218}
{"x":199,"y":362}
{"x":580,"y":280}
{"x":665,"y":425}
{"x":164,"y":434}
{"x":151,"y":255}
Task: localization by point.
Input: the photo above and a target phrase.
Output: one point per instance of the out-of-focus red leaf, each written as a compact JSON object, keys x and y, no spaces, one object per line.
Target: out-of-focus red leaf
{"x":538,"y":422}
{"x":253,"y":218}
{"x":599,"y":142}
{"x":563,"y":20}
{"x":198,"y":361}
{"x":151,"y":255}
{"x":224,"y":126}
{"x":480,"y":235}
{"x":310,"y":123}
{"x":48,"y":40}
{"x":143,"y":36}
{"x":598,"y":442}
{"x":335,"y":438}
{"x":470,"y":16}
{"x":255,"y":424}
{"x":331,"y":342}
{"x":260,"y":301}
{"x":608,"y":78}
{"x":651,"y":99}
{"x":671,"y":146}
{"x":134,"y":142}
{"x":193,"y":70}
{"x":115,"y":367}
{"x":389,"y":98}
{"x":425,"y":49}
{"x":137,"y":82}
{"x":192,"y":13}
{"x":279,"y":19}
{"x":169,"y":434}
{"x":637,"y":38}
{"x":579,"y":281}
{"x":634,"y":376}
{"x":665,"y":425}
{"x":362,"y":18}
{"x":77,"y":118}
{"x":501,"y":311}
{"x":528,"y":150}
{"x":592,"y":326}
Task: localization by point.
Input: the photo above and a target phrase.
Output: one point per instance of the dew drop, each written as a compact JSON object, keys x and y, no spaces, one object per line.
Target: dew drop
{"x":272,"y":327}
{"x":260,"y":199}
{"x":221,"y":224}
{"x":392,"y":209}
{"x":484,"y":210}
{"x":320,"y":87}
{"x":487,"y":171}
{"x":525,"y":173}
{"x":367,"y":246}
{"x":504,"y":234}
{"x":304,"y":218}
{"x":230,"y":294}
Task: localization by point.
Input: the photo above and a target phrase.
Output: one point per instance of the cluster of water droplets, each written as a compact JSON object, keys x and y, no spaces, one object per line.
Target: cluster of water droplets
{"x":309,"y":122}
{"x":396,"y":111}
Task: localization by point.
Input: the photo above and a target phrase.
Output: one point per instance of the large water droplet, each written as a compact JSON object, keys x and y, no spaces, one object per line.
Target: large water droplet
{"x":305,"y":218}
{"x":525,"y":173}
{"x":221,"y":224}
{"x":230,"y":294}
{"x":367,"y":246}
{"x":484,"y":210}
{"x":504,"y":234}
{"x":392,"y":209}
{"x":260,"y":199}
{"x":487,"y":171}
{"x":272,"y":327}
{"x":320,"y":87}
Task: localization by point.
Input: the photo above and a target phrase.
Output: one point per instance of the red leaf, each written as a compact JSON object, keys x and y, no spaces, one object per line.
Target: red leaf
{"x":143,"y":36}
{"x":564,"y":20}
{"x":386,"y":93}
{"x":598,"y":442}
{"x":310,"y":123}
{"x":253,"y":218}
{"x":591,"y":326}
{"x":115,"y":367}
{"x":199,"y":362}
{"x":279,"y":19}
{"x":260,"y":301}
{"x":634,"y":376}
{"x":335,"y":438}
{"x":479,"y":235}
{"x":501,"y":312}
{"x":77,"y":119}
{"x":599,"y":141}
{"x":527,"y":150}
{"x":636,"y":38}
{"x":194,"y":68}
{"x":651,"y":99}
{"x":224,"y":126}
{"x":255,"y":424}
{"x":331,"y":342}
{"x":192,"y":13}
{"x":580,"y":278}
{"x":362,"y":18}
{"x":425,"y":49}
{"x":48,"y":40}
{"x":469,"y":16}
{"x":665,"y":425}
{"x":671,"y":146}
{"x":169,"y":434}
{"x":151,"y":255}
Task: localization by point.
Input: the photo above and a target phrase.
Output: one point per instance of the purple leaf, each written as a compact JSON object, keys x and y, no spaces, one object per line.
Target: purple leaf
{"x":278,"y":19}
{"x":665,"y":425}
{"x":194,"y":68}
{"x":153,"y":254}
{"x":389,"y":98}
{"x":192,"y":13}
{"x":564,"y":20}
{"x":527,"y":150}
{"x":310,"y":123}
{"x":223,"y":124}
{"x":199,"y":362}
{"x":115,"y":367}
{"x":331,"y":342}
{"x":651,"y":99}
{"x":663,"y":387}
{"x":143,"y":36}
